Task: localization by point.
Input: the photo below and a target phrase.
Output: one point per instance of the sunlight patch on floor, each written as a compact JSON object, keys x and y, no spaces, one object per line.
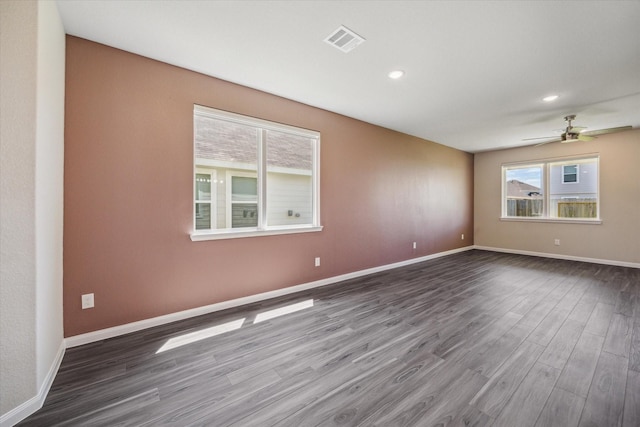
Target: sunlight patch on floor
{"x":291,"y":308}
{"x":192,"y":337}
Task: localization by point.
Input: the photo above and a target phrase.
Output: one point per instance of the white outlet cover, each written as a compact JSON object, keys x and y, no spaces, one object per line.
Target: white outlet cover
{"x":317,"y":261}
{"x":87,"y":301}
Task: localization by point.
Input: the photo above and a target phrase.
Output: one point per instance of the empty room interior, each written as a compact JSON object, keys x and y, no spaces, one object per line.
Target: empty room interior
{"x":320,"y":213}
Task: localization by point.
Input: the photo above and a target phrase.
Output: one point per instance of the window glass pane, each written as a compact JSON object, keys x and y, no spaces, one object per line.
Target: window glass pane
{"x":226,"y":148}
{"x":203,"y":216}
{"x":203,"y":186}
{"x":244,"y":198}
{"x":244,"y":215}
{"x":244,"y":189}
{"x":222,"y":142}
{"x":523,"y":191}
{"x":573,"y":189}
{"x":570,"y":173}
{"x":289,"y":179}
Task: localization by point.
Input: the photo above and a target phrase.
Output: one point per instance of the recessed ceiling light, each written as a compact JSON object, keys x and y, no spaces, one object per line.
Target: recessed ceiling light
{"x":396,"y":74}
{"x":550,"y":98}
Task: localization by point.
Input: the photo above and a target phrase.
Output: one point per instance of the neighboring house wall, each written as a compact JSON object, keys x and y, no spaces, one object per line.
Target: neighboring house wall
{"x":129,"y":194}
{"x":288,"y":192}
{"x":587,"y":181}
{"x":520,"y":189}
{"x":285,"y":192}
{"x":616,"y":239}
{"x":32,"y":61}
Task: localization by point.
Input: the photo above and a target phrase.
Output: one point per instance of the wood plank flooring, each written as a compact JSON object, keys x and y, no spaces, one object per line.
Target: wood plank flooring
{"x":472,"y":339}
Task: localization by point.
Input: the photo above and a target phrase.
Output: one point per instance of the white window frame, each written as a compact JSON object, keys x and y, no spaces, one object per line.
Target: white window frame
{"x":505,"y":167}
{"x":213,"y":195}
{"x":230,"y":202}
{"x":262,"y":229}
{"x":577,"y":174}
{"x":546,"y":187}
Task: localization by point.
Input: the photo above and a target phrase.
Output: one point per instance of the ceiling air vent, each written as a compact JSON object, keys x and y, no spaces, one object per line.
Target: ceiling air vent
{"x":344,"y":39}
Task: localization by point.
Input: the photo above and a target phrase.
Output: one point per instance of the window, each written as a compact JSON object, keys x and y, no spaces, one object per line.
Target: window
{"x":242,"y":211}
{"x":569,"y":174}
{"x":553,"y":190}
{"x":203,"y":199}
{"x":524,"y":191}
{"x":253,"y":177}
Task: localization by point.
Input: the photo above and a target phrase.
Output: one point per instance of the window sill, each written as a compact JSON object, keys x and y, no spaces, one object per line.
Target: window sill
{"x":552,"y":220}
{"x":198,"y":236}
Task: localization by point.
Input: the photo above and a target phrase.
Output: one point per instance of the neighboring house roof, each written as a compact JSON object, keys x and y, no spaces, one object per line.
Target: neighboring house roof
{"x":517,"y":188}
{"x":232,"y":142}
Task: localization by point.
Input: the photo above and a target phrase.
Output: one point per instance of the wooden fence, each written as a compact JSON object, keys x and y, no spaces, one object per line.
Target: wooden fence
{"x":575,"y":209}
{"x":528,"y":207}
{"x":524,"y":207}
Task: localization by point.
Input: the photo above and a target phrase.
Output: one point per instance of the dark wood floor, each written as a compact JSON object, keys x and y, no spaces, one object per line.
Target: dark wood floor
{"x":477,"y":338}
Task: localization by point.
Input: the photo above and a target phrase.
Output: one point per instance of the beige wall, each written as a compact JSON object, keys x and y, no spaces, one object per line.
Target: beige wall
{"x":616,"y":239}
{"x":19,"y":33}
{"x":128,"y":194}
{"x":32,"y":102}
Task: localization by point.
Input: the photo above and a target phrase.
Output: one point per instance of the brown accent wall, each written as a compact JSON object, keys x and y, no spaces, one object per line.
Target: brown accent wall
{"x":128,"y":194}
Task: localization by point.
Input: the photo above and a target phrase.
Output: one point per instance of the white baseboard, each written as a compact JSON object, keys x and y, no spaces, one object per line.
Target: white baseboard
{"x":559,"y":256}
{"x":27,"y":408}
{"x":168,"y":318}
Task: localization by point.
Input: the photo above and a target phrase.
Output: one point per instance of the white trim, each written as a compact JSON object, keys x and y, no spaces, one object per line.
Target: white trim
{"x":238,"y":233}
{"x":556,"y":220}
{"x":181,"y":315}
{"x":261,"y":183}
{"x":315,"y":207}
{"x":27,"y":408}
{"x":560,"y":256}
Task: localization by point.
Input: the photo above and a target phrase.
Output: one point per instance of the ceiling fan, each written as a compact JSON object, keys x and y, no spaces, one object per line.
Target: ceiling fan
{"x":577,"y":133}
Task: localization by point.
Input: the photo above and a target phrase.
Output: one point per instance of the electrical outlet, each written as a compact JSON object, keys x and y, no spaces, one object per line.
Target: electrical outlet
{"x":414,"y":245}
{"x":462,"y":237}
{"x":317,"y":261}
{"x":87,"y":301}
{"x":556,"y":242}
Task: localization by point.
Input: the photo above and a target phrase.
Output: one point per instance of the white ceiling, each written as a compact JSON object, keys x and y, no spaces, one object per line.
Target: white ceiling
{"x":476,"y":71}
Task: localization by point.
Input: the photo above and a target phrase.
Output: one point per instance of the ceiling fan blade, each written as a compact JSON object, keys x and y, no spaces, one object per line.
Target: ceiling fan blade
{"x":604,"y":131}
{"x":550,"y":141}
{"x":540,"y":137}
{"x":582,"y":137}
